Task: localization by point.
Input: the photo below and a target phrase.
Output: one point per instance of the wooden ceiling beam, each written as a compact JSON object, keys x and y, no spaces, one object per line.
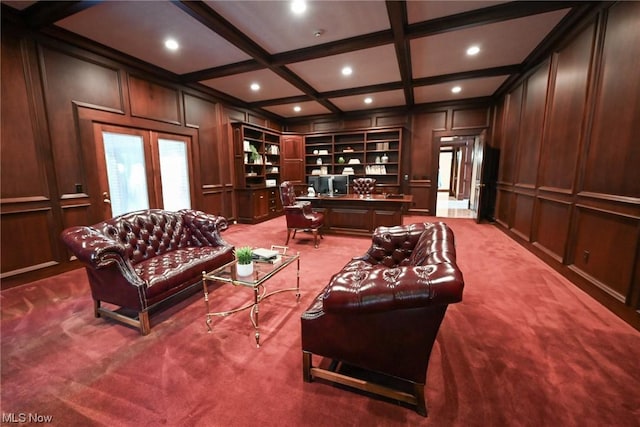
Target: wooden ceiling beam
{"x":215,"y":22}
{"x":397,"y":12}
{"x":484,"y":16}
{"x":45,"y":13}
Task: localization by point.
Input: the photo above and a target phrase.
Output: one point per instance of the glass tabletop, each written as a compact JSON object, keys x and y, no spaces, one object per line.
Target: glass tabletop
{"x":262,"y":271}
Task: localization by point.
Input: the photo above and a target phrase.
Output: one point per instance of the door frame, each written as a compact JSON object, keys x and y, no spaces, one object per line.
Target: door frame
{"x":101,"y":164}
{"x":88,"y":174}
{"x":435,"y":155}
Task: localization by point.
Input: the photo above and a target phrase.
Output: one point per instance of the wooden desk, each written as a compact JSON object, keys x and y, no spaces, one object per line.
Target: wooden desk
{"x":350,"y":214}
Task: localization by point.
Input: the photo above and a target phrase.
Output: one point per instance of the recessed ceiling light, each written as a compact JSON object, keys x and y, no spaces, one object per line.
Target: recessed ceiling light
{"x":297,"y":109}
{"x":473,"y":50}
{"x":171,"y":44}
{"x":456,"y":89}
{"x":255,"y":87}
{"x":298,"y":6}
{"x":346,"y":71}
{"x":368,"y":100}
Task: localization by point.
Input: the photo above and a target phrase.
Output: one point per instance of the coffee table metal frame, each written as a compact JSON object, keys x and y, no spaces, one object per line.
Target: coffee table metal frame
{"x":262,"y":271}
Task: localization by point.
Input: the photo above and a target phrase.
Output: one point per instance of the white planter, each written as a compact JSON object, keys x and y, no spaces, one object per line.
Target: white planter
{"x":244,"y":269}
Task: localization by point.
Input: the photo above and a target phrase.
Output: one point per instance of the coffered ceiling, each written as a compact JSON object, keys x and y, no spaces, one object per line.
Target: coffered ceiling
{"x":402,"y":54}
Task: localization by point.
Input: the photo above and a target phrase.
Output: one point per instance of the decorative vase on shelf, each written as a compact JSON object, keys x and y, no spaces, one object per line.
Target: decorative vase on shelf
{"x":385,"y":158}
{"x":319,"y":161}
{"x":341,"y":160}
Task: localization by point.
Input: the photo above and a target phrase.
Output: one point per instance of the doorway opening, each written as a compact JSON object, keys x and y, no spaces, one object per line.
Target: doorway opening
{"x":457,"y":168}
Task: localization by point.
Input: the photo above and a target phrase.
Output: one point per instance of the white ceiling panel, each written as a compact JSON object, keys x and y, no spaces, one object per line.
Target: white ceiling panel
{"x":309,"y":108}
{"x":139,"y":29}
{"x":391,"y":98}
{"x":272,"y":86}
{"x":471,"y":88}
{"x":273,"y":26}
{"x":502,"y":43}
{"x":370,"y":66}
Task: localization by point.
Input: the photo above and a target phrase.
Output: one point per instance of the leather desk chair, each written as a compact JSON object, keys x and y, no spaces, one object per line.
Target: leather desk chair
{"x":299,"y":215}
{"x":364,"y":187}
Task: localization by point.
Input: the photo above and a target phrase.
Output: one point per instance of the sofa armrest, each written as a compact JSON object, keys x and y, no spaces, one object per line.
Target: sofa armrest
{"x":205,"y":228}
{"x":97,"y":251}
{"x":90,"y":245}
{"x":366,"y":288}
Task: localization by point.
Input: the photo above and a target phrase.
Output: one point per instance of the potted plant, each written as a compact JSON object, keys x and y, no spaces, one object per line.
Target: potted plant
{"x":244,"y":264}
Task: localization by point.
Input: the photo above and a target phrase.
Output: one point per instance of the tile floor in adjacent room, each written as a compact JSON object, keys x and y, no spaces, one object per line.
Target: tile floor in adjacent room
{"x":449,"y":207}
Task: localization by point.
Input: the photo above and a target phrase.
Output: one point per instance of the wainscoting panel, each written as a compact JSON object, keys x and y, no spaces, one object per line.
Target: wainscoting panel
{"x":610,"y":170}
{"x":523,"y":215}
{"x":507,"y":172}
{"x":153,"y":101}
{"x":503,"y":207}
{"x":566,"y":110}
{"x":421,"y":191}
{"x":27,"y":241}
{"x":553,"y":215}
{"x":605,"y":249}
{"x":531,"y":124}
{"x":470,"y":119}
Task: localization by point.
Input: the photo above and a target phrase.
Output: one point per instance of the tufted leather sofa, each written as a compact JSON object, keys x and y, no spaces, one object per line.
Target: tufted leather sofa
{"x":143,"y":259}
{"x":381,"y":312}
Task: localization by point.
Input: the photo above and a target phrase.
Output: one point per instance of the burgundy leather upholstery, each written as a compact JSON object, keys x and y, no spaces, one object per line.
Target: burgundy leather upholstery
{"x":299,"y":215}
{"x":140,"y":259}
{"x":382,"y":311}
{"x":364,"y":187}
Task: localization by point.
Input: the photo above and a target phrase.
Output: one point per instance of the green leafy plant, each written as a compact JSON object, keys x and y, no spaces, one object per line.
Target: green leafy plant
{"x":244,"y":255}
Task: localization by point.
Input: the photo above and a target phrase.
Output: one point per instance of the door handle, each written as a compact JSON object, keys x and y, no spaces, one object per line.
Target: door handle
{"x":105,"y":198}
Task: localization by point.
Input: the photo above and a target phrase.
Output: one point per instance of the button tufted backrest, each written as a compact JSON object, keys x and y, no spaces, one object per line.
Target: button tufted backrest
{"x":287,"y":194}
{"x":413,"y":244}
{"x":147,"y":233}
{"x":364,"y":186}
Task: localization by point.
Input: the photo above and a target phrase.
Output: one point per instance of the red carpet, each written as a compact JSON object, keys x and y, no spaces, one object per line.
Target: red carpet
{"x":524,"y":348}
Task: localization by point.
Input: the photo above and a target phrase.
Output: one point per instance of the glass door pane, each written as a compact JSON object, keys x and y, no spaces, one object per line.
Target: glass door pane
{"x":126,"y":172}
{"x":174,"y":173}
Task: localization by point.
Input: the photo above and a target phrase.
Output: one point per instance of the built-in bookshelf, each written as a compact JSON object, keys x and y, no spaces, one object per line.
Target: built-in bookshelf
{"x":257,"y":172}
{"x":257,"y":154}
{"x":370,"y":153}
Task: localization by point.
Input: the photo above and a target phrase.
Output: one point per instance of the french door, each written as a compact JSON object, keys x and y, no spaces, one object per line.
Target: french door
{"x":142,"y":169}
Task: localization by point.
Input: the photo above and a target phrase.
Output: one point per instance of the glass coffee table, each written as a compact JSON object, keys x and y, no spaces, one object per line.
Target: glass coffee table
{"x":262,"y":272}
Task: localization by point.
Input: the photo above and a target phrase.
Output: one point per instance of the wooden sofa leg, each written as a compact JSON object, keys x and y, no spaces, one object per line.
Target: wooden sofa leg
{"x":315,"y":238}
{"x":421,"y":405}
{"x":96,"y":308}
{"x":288,"y":235}
{"x":306,"y":367}
{"x":145,"y":326}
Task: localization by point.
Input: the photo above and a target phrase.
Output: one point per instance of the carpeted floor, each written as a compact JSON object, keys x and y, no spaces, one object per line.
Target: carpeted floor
{"x":524,"y":348}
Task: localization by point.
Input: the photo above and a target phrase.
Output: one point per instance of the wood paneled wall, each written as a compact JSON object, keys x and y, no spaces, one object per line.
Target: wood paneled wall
{"x":52,"y":94}
{"x":569,"y":181}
